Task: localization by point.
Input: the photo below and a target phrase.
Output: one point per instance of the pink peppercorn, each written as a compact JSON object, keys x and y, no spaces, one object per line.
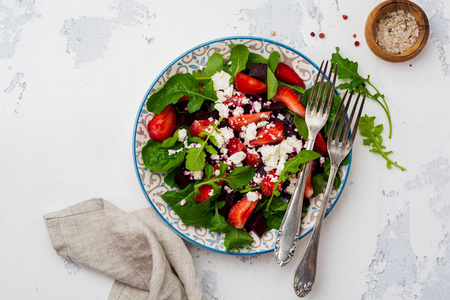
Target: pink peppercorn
{"x":321,"y":35}
{"x":356,"y":43}
{"x":345,"y":17}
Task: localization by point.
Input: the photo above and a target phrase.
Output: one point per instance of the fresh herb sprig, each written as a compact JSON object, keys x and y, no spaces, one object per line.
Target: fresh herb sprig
{"x":373,"y":138}
{"x":348,"y":70}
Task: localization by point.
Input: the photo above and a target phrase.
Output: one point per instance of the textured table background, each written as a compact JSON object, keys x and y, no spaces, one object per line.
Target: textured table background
{"x":73,"y":74}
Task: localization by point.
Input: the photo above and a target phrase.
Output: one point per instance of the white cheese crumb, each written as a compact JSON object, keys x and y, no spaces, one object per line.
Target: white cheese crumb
{"x":257,"y":178}
{"x":172,"y":152}
{"x":291,"y":187}
{"x":238,"y":111}
{"x":257,"y":106}
{"x":250,"y":133}
{"x":221,"y":80}
{"x":237,"y":158}
{"x":253,"y":196}
{"x":222,"y":109}
{"x":183,"y":202}
{"x":227,"y":133}
{"x":198,"y":175}
{"x":281,"y":117}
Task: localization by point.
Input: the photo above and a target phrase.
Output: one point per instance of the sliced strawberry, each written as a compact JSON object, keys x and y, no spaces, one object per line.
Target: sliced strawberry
{"x":289,"y":98}
{"x":240,"y":212}
{"x":198,"y":127}
{"x":308,"y":188}
{"x":206,"y":191}
{"x":184,"y":98}
{"x":237,"y":100}
{"x":286,"y":74}
{"x":269,"y":182}
{"x":270,"y":134}
{"x":249,"y":85}
{"x":236,"y":122}
{"x":162,"y":126}
{"x":235,"y":145}
{"x":253,"y":159}
{"x":320,"y":146}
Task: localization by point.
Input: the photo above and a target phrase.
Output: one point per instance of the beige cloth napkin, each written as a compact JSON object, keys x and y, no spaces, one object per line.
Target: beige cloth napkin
{"x":146,"y":258}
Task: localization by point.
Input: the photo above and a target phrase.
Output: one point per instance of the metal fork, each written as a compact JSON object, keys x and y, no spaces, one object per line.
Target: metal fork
{"x":316,"y":117}
{"x":339,"y":146}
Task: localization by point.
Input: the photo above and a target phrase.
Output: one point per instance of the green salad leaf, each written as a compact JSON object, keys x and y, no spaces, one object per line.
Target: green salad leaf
{"x":157,"y":158}
{"x":236,"y":237}
{"x":238,"y":60}
{"x":375,"y":140}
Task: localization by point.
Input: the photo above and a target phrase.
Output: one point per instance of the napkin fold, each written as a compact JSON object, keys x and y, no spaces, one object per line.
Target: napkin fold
{"x":146,"y":258}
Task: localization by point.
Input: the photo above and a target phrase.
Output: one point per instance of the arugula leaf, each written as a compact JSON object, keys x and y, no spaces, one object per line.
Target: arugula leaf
{"x":236,"y":237}
{"x":208,"y":91}
{"x":158,"y":159}
{"x":218,"y":222}
{"x":176,"y":87}
{"x":238,"y":58}
{"x":373,"y":138}
{"x":214,"y":65}
{"x":349,"y":70}
{"x":196,"y":157}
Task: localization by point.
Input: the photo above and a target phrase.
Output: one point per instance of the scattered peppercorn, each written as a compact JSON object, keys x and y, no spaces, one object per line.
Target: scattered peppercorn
{"x":321,"y":35}
{"x":356,"y":43}
{"x":345,"y":17}
{"x":273,"y":32}
{"x":354,"y":35}
{"x":410,"y":65}
{"x":313,"y":34}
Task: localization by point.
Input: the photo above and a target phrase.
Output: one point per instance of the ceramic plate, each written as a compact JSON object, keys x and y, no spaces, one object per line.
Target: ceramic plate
{"x":152,"y":183}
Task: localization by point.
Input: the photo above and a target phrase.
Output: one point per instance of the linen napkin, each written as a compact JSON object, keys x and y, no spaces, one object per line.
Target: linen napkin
{"x":146,"y":258}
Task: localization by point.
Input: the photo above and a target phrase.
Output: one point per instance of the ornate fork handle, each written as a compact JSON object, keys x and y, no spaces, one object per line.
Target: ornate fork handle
{"x":305,"y":273}
{"x":287,"y":238}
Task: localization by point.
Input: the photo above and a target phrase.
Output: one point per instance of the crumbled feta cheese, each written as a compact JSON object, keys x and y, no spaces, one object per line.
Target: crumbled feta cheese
{"x":257,"y":179}
{"x":250,"y":133}
{"x":227,"y":133}
{"x":222,"y":96}
{"x":222,"y":109}
{"x":257,"y":106}
{"x":215,"y":156}
{"x":183,"y":202}
{"x":219,"y":139}
{"x":198,"y":175}
{"x":211,"y":192}
{"x":261,"y":124}
{"x":270,"y":155}
{"x":238,"y":111}
{"x":221,"y":80}
{"x":291,"y":187}
{"x":172,"y":152}
{"x":274,"y":156}
{"x":182,"y":135}
{"x":253,"y":196}
{"x":237,"y":158}
{"x":281,"y":117}
{"x":288,"y":145}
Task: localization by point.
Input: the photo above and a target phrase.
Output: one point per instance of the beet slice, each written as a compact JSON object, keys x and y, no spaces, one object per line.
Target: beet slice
{"x":258,"y":70}
{"x":230,"y":200}
{"x":182,"y":180}
{"x":257,"y":223}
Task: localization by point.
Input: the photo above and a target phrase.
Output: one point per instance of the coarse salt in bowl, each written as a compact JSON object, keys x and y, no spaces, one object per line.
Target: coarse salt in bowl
{"x":397,"y":31}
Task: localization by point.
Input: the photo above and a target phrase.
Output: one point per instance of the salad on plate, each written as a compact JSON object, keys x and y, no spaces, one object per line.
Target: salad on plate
{"x":230,"y":138}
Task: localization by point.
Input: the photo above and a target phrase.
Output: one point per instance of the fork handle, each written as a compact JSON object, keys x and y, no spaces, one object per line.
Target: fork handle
{"x":306,"y":270}
{"x":288,"y":234}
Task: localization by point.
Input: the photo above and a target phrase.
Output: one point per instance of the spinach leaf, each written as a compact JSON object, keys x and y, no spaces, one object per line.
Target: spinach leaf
{"x":175,"y":87}
{"x":218,"y":222}
{"x":296,"y":88}
{"x":255,"y":58}
{"x":275,"y":213}
{"x":272,"y":62}
{"x":316,"y":183}
{"x":169,"y":179}
{"x":236,"y":237}
{"x":272,"y":84}
{"x":238,"y":58}
{"x":157,"y":158}
{"x":240,"y":176}
{"x":302,"y":128}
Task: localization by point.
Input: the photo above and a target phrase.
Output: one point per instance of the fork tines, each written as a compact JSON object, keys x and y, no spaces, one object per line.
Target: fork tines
{"x":336,"y":135}
{"x":310,"y":109}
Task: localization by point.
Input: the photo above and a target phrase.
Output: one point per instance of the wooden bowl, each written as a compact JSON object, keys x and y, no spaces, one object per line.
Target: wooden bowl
{"x":379,"y":12}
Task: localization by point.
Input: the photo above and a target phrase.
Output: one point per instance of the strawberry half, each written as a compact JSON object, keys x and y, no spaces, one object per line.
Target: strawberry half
{"x":270,"y":134}
{"x":236,"y":122}
{"x":269,"y":182}
{"x":249,"y":85}
{"x":235,"y":145}
{"x":237,"y":100}
{"x":240,"y":212}
{"x":162,"y":126}
{"x":253,"y":159}
{"x":206,"y":191}
{"x":198,"y":127}
{"x":289,"y":98}
{"x":286,"y":74}
{"x":320,"y":145}
{"x":308,"y":187}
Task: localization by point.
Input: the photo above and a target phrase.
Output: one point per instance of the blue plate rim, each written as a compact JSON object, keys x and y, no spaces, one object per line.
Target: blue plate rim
{"x":136,"y":168}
